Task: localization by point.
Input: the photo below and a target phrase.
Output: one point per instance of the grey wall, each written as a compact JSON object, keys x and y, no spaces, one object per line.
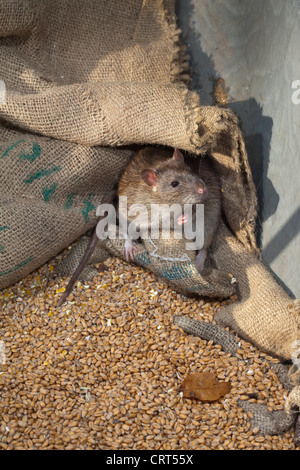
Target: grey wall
{"x":255,"y":46}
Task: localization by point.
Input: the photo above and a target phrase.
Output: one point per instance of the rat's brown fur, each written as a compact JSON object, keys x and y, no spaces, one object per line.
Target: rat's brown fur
{"x":168,"y":170}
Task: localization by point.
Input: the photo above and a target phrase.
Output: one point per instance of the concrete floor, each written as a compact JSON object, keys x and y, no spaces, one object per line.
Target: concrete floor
{"x":255,"y":47}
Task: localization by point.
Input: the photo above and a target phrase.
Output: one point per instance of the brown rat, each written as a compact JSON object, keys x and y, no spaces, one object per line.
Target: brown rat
{"x":157,"y":175}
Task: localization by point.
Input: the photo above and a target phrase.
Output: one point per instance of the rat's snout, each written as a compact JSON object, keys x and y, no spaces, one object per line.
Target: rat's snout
{"x":201,"y":188}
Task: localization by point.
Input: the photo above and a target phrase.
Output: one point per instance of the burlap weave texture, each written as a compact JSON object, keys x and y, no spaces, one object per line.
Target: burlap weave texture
{"x":84,"y":80}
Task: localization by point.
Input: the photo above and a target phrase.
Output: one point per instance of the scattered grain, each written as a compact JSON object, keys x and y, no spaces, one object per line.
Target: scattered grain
{"x":103,"y":371}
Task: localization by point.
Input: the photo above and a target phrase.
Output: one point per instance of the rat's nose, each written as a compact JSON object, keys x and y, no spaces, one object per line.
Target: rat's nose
{"x":201,"y":189}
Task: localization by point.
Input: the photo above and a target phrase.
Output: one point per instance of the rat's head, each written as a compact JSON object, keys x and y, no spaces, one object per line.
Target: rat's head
{"x":174,"y":182}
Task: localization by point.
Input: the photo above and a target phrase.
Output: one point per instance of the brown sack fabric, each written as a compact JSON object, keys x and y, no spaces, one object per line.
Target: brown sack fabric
{"x":265,"y":314}
{"x":49,"y":193}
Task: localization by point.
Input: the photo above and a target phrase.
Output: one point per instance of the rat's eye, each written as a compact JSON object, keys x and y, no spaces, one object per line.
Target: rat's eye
{"x":174,"y":184}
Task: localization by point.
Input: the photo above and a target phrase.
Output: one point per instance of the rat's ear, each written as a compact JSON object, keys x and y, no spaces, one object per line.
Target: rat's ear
{"x":149,"y":177}
{"x":177,"y":155}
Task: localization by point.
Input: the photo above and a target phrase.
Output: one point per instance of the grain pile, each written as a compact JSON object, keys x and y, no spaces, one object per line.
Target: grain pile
{"x":103,"y":371}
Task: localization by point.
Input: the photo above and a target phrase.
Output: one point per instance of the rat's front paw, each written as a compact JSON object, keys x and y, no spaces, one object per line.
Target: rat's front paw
{"x":129,"y":249}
